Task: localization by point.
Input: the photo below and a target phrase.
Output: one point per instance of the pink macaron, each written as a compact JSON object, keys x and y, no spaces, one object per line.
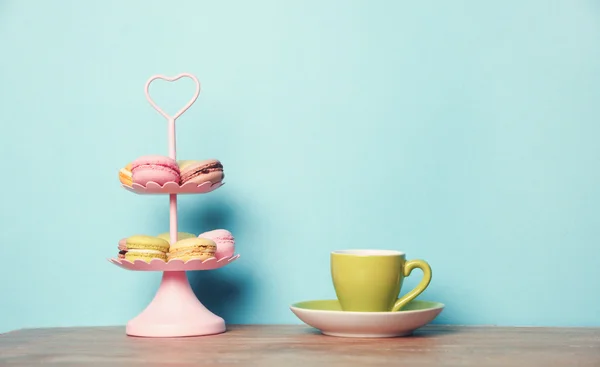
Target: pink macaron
{"x":155,"y":168}
{"x":224,"y":240}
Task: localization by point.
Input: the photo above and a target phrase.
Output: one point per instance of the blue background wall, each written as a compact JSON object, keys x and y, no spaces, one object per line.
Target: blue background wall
{"x":464,"y":133}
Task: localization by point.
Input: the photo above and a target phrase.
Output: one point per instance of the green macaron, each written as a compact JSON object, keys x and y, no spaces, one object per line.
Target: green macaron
{"x":180,"y":236}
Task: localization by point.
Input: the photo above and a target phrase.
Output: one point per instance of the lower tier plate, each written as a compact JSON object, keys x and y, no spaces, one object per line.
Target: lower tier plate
{"x":173,"y":265}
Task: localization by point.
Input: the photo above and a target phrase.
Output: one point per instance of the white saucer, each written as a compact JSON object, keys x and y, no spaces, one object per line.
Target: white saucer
{"x":328,"y":317}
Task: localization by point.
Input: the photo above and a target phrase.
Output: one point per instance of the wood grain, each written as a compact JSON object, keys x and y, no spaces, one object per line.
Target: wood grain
{"x":300,"y":346}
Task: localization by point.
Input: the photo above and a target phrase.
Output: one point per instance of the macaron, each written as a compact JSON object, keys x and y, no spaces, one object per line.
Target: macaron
{"x":125,"y":175}
{"x":198,"y":172}
{"x":192,"y":248}
{"x":145,"y":255}
{"x":146,"y":248}
{"x":224,"y":240}
{"x":180,"y":236}
{"x":154,"y":168}
{"x":122,"y":248}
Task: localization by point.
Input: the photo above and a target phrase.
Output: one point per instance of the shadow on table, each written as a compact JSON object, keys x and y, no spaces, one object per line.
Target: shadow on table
{"x":426,"y":332}
{"x":430,"y":331}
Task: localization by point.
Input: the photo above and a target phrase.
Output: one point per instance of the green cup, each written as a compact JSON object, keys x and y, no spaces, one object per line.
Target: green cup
{"x":371,"y":280}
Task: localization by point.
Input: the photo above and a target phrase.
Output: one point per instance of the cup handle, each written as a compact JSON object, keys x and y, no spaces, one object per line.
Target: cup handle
{"x":408,"y":268}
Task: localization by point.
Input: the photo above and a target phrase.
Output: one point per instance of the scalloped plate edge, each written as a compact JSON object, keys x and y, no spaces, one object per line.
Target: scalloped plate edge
{"x":179,"y":262}
{"x":151,"y":185}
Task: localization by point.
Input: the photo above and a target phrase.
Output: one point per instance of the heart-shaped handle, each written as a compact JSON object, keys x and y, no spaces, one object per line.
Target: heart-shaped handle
{"x":172,"y":79}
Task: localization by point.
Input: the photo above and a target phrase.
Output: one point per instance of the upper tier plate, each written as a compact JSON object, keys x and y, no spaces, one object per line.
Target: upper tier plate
{"x":173,"y":188}
{"x":174,"y":265}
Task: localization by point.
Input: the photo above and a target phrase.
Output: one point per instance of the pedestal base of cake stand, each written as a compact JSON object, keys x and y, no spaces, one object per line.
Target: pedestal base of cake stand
{"x":175,"y":311}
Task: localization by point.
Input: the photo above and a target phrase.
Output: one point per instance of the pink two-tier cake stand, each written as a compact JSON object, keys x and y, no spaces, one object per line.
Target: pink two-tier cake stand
{"x":175,"y":310}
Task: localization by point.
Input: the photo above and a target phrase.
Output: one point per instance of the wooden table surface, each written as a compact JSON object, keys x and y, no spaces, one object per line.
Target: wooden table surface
{"x":291,"y":346}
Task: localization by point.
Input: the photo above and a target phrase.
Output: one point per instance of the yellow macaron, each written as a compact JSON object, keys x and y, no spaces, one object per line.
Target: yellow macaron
{"x":125,"y":175}
{"x":145,"y":255}
{"x":146,"y":248}
{"x":192,"y":248}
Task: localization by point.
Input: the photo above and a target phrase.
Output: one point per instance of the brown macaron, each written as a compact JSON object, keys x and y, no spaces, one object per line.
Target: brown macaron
{"x":198,"y":172}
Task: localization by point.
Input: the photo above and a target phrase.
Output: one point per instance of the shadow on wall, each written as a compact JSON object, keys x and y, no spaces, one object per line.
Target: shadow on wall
{"x":222,"y":291}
